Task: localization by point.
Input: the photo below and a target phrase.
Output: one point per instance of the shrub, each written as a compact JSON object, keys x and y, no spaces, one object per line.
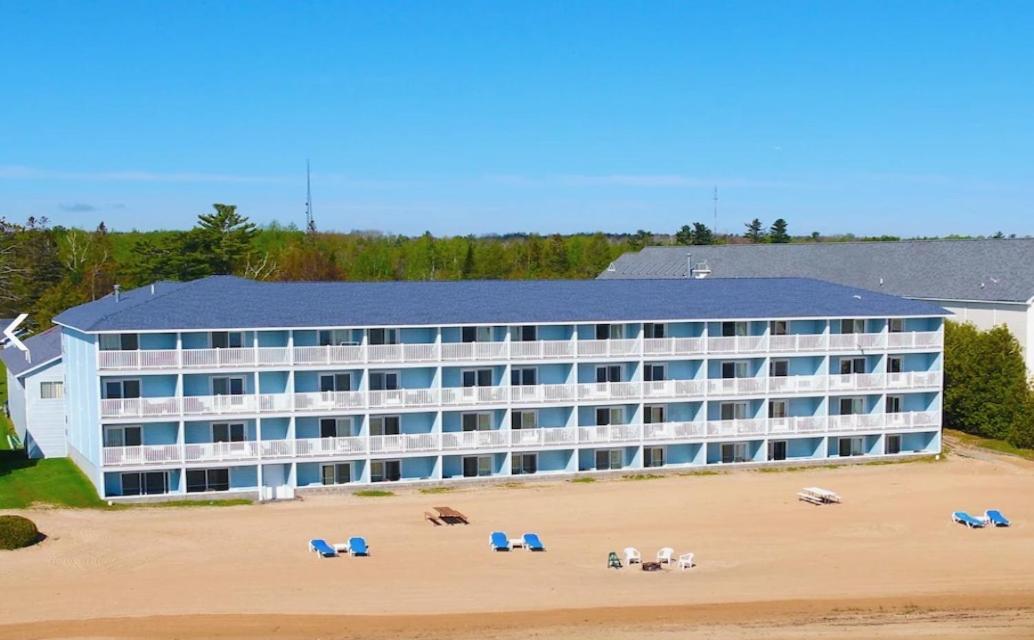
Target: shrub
{"x":374,"y":493}
{"x":17,"y":532}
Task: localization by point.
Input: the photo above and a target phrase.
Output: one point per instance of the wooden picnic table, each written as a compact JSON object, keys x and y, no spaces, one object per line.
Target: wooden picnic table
{"x":450,"y":515}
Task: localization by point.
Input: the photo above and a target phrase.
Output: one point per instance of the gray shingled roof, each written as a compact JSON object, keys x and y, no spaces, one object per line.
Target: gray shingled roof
{"x":43,"y":348}
{"x":985,"y":270}
{"x":224,"y":302}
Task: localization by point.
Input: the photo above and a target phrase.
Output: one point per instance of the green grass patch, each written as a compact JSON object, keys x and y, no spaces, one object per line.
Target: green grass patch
{"x":436,"y":490}
{"x":5,"y":424}
{"x":513,"y":485}
{"x":702,"y":472}
{"x":641,"y":476}
{"x":998,"y":446}
{"x":228,"y":502}
{"x":583,"y":479}
{"x":55,"y":482}
{"x":374,"y":493}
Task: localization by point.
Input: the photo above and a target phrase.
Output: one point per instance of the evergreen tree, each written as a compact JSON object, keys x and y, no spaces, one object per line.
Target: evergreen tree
{"x":754,"y":231}
{"x":225,"y":238}
{"x":702,"y":234}
{"x":684,"y":235}
{"x":778,"y":234}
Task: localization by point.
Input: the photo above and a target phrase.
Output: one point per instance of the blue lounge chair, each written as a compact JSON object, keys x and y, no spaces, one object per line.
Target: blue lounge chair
{"x":532,"y":542}
{"x":962,"y":517}
{"x":498,"y":541}
{"x":320,"y":547}
{"x":357,"y":546}
{"x":996,"y":518}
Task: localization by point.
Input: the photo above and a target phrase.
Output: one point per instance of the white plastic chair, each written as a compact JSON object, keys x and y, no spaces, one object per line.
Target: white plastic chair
{"x":686,"y":561}
{"x":632,"y":555}
{"x":666,"y":555}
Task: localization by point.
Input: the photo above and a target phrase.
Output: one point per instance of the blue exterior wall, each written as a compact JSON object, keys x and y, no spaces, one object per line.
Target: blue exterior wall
{"x":82,"y":399}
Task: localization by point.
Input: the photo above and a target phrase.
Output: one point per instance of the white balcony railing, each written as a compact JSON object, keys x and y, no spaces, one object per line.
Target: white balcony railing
{"x":404,"y":443}
{"x":915,"y":340}
{"x":914,"y":380}
{"x":610,"y":433}
{"x":383,"y":399}
{"x":735,"y":428}
{"x":473,"y":395}
{"x":856,"y":381}
{"x":608,"y":348}
{"x":331,"y":354}
{"x":318,"y":447}
{"x":851,"y":341}
{"x":737,"y":344}
{"x":735,"y":386}
{"x":542,"y":350}
{"x":474,"y":439}
{"x":797,"y":384}
{"x":797,"y":343}
{"x":673,"y":430}
{"x":543,"y":436}
{"x":673,"y":346}
{"x":141,"y":455}
{"x":659,"y":389}
{"x":543,"y":393}
{"x":329,"y":400}
{"x":808,"y":424}
{"x":220,"y":451}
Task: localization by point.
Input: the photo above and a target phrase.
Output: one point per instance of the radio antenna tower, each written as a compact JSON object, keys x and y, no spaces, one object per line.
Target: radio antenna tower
{"x":716,"y":210}
{"x":310,"y":222}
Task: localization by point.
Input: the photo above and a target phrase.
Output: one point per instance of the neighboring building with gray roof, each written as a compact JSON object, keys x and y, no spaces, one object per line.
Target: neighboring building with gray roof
{"x":986,"y":282}
{"x":35,"y":393}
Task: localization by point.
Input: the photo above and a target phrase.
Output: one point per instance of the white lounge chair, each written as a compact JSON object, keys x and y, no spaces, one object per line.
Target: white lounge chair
{"x":632,"y":555}
{"x":666,"y":555}
{"x":686,"y":561}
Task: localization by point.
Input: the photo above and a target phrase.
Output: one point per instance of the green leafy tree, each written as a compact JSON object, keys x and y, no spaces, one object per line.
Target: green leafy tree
{"x":986,"y":388}
{"x":777,"y":233}
{"x":642,"y":238}
{"x":755,"y":231}
{"x":557,"y":263}
{"x":684,"y":235}
{"x":702,"y":234}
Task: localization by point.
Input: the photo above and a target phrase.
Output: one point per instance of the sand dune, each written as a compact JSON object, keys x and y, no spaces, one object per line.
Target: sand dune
{"x":763,"y":559}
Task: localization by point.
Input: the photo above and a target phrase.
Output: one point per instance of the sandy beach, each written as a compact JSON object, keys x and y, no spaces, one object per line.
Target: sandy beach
{"x":887,"y":562}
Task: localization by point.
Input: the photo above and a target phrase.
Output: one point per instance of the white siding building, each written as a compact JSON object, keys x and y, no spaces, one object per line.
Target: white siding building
{"x":35,"y":390}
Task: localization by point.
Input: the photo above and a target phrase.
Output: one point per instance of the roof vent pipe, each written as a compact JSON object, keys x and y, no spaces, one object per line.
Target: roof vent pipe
{"x":117,"y":288}
{"x":152,"y":288}
{"x":689,"y":265}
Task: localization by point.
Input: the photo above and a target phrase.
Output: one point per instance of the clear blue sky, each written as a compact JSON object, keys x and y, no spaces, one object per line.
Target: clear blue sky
{"x":896,"y":117}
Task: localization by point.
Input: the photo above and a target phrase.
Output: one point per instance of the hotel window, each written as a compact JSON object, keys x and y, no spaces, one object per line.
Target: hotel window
{"x":777,"y":450}
{"x":610,"y":331}
{"x":897,"y":325}
{"x":120,"y":389}
{"x":385,"y":471}
{"x":609,"y":415}
{"x":51,"y":390}
{"x":730,"y":329}
{"x":522,"y":464}
{"x":119,"y":342}
{"x":779,"y":327}
{"x":851,"y":406}
{"x":128,"y":436}
{"x":850,"y":447}
{"x":734,"y":410}
{"x":779,"y":368}
{"x":476,"y":334}
{"x":201,"y":480}
{"x":894,"y":364}
{"x":384,"y":425}
{"x":227,"y":339}
{"x":893,"y":404}
{"x":892,"y":445}
{"x":609,"y":459}
{"x":475,"y":466}
{"x":476,"y":421}
{"x":335,"y":382}
{"x":383,"y":336}
{"x":654,"y":330}
{"x":778,"y":408}
{"x":335,"y":427}
{"x":608,"y":373}
{"x":336,"y":337}
{"x":653,"y":414}
{"x":734,"y":452}
{"x":523,"y":376}
{"x":852,"y":365}
{"x":654,"y":372}
{"x":227,"y":386}
{"x":384,"y":380}
{"x":477,"y":377}
{"x":140,"y":484}
{"x":228,"y":432}
{"x":850,"y":325}
{"x":525,"y":333}
{"x":524,"y":419}
{"x":736,"y":369}
{"x":653,"y":457}
{"x":340,"y":473}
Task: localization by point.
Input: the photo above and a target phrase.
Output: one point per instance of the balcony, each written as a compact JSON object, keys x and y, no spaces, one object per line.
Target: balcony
{"x":610,"y":433}
{"x":474,"y":439}
{"x":543,"y":437}
{"x":797,"y":384}
{"x":795,"y":343}
{"x":736,"y":386}
{"x":408,"y":398}
{"x":858,"y":421}
{"x":329,"y":400}
{"x":608,"y":348}
{"x":915,"y":340}
{"x":804,"y":424}
{"x":404,"y":443}
{"x":914,"y":380}
{"x":853,"y":341}
{"x":543,"y":393}
{"x":320,"y":447}
{"x":221,"y":451}
{"x":735,"y":428}
{"x":737,"y":344}
{"x":673,"y":346}
{"x":542,"y":350}
{"x":673,"y":389}
{"x":141,"y":455}
{"x":594,"y":391}
{"x":154,"y":359}
{"x":451,"y":396}
{"x":467,"y":351}
{"x":856,"y":381}
{"x":673,"y":430}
